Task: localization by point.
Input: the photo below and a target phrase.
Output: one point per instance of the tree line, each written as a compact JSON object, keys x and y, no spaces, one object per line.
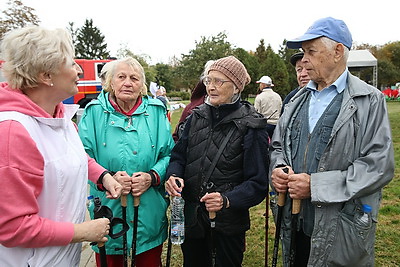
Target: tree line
{"x":183,"y":73}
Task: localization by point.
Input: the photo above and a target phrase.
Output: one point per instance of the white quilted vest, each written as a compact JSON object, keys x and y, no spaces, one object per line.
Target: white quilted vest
{"x":64,"y":191}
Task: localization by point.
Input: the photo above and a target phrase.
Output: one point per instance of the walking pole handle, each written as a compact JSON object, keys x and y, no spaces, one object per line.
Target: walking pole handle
{"x":281,"y":199}
{"x":123,"y":201}
{"x":212,"y":215}
{"x":296,"y":206}
{"x":136,"y":201}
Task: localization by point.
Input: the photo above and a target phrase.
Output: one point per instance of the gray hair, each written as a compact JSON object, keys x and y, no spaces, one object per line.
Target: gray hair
{"x":330,"y":44}
{"x":206,"y":68}
{"x":130,"y":61}
{"x":32,"y":50}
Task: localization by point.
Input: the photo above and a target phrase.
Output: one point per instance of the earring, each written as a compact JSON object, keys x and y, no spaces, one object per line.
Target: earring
{"x":51,"y":85}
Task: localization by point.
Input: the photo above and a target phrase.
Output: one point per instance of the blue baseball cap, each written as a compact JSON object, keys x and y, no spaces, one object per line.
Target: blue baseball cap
{"x":334,"y":29}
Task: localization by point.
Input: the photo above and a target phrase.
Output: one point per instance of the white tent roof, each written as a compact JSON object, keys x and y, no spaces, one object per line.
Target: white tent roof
{"x":361,"y":58}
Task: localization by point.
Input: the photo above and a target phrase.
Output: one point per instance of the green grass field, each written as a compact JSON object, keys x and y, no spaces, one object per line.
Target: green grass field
{"x":388,"y":228}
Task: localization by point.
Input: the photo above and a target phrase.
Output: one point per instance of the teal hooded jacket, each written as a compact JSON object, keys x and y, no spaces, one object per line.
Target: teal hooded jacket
{"x":141,"y":142}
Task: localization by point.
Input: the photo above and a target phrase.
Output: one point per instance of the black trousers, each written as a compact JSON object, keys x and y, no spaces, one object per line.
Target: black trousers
{"x":270,"y":130}
{"x":303,"y":246}
{"x":228,"y":250}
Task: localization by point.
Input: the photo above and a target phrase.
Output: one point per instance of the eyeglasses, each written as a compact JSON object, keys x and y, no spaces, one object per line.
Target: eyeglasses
{"x":217,"y":82}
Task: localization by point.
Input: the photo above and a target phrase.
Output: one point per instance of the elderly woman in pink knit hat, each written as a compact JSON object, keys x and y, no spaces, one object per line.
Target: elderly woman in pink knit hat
{"x":220,"y":162}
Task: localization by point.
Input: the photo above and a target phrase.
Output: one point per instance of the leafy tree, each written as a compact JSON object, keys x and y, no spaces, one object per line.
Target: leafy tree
{"x":261,"y":52}
{"x":388,"y":74}
{"x":192,"y":64}
{"x":272,"y":65}
{"x":90,"y":42}
{"x":74,"y":33}
{"x":17,"y":15}
{"x":164,"y":75}
{"x":250,"y":62}
{"x":391,"y":52}
{"x":285,"y":54}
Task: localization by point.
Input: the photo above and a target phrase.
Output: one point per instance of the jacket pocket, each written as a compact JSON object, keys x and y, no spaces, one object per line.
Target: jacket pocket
{"x":354,"y":244}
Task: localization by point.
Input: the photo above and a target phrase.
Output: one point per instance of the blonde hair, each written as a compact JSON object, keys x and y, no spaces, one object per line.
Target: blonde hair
{"x":130,"y":61}
{"x":32,"y":50}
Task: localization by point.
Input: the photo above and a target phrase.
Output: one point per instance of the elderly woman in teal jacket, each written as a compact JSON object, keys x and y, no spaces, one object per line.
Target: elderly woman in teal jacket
{"x":126,"y":130}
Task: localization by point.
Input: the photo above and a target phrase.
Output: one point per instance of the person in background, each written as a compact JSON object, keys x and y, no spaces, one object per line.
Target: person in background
{"x":221,"y":162}
{"x":44,"y":168}
{"x":124,"y":129}
{"x":161,"y":94}
{"x":268,"y":103}
{"x":301,"y":75}
{"x":335,"y":139}
{"x":199,"y":94}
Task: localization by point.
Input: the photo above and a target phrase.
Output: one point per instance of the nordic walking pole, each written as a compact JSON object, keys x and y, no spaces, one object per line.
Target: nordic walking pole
{"x":136,"y":202}
{"x":169,"y":247}
{"x":281,"y":204}
{"x":266,"y":230}
{"x":101,"y":245}
{"x":212,"y":215}
{"x":296,"y":204}
{"x":124,"y":237}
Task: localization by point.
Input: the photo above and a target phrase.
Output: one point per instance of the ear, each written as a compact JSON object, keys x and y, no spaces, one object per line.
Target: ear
{"x":45,"y":78}
{"x":236,"y":90}
{"x":339,"y":52}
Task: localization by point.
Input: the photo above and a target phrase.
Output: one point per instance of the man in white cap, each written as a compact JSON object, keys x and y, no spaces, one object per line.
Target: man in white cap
{"x":268,"y":103}
{"x":335,"y":139}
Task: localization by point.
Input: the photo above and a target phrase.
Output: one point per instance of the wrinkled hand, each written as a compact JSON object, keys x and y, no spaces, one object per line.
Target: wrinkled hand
{"x":171,"y":186}
{"x":91,"y":231}
{"x":125,"y":180}
{"x":213,"y":201}
{"x":299,"y":186}
{"x":141,"y":181}
{"x":114,"y":189}
{"x":280,"y":179}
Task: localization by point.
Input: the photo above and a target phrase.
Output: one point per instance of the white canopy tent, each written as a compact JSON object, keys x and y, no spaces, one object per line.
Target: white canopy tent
{"x":364,"y":59}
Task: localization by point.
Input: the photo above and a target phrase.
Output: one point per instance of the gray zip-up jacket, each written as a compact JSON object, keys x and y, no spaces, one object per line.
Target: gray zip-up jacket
{"x":356,"y":164}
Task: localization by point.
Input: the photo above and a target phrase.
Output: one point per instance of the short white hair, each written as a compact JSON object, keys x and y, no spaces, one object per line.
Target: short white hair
{"x":330,"y":44}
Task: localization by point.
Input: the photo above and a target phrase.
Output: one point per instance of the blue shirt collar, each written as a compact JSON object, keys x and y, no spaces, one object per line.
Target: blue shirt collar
{"x":339,"y":84}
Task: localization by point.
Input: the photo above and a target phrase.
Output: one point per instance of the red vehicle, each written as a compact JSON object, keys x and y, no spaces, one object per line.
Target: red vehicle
{"x":89,"y":84}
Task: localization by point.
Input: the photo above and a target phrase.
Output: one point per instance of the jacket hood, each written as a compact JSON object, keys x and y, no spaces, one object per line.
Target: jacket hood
{"x":16,"y":100}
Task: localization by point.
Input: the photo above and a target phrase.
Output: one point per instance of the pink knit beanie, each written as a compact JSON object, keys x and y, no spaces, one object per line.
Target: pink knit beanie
{"x":232,"y":68}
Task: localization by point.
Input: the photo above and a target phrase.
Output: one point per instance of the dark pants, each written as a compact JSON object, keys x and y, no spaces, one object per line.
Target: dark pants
{"x":303,"y":246}
{"x":229,"y":250}
{"x":270,"y":130}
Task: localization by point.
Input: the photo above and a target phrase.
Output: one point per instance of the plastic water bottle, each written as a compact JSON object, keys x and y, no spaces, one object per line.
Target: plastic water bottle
{"x":177,"y":220}
{"x":90,"y":203}
{"x":272,"y":198}
{"x":364,"y":218}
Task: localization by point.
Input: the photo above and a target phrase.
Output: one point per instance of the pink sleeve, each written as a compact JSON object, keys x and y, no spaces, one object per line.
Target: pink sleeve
{"x":22,"y":181}
{"x":95,"y":170}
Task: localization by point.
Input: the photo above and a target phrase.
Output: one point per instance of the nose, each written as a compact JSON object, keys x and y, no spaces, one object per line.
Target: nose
{"x":78,"y":69}
{"x":303,"y":72}
{"x":127,"y":82}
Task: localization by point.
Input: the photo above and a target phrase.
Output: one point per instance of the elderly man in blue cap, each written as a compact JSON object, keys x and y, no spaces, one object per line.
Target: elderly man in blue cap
{"x":335,"y":139}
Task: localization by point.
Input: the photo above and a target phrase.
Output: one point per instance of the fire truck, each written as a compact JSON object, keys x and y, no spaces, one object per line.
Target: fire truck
{"x":89,"y":84}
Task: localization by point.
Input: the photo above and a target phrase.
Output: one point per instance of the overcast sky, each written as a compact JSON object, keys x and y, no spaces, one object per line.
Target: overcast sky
{"x":164,"y":28}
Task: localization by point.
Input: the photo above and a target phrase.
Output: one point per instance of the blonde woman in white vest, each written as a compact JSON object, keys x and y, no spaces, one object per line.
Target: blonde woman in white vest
{"x":43,"y":166}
